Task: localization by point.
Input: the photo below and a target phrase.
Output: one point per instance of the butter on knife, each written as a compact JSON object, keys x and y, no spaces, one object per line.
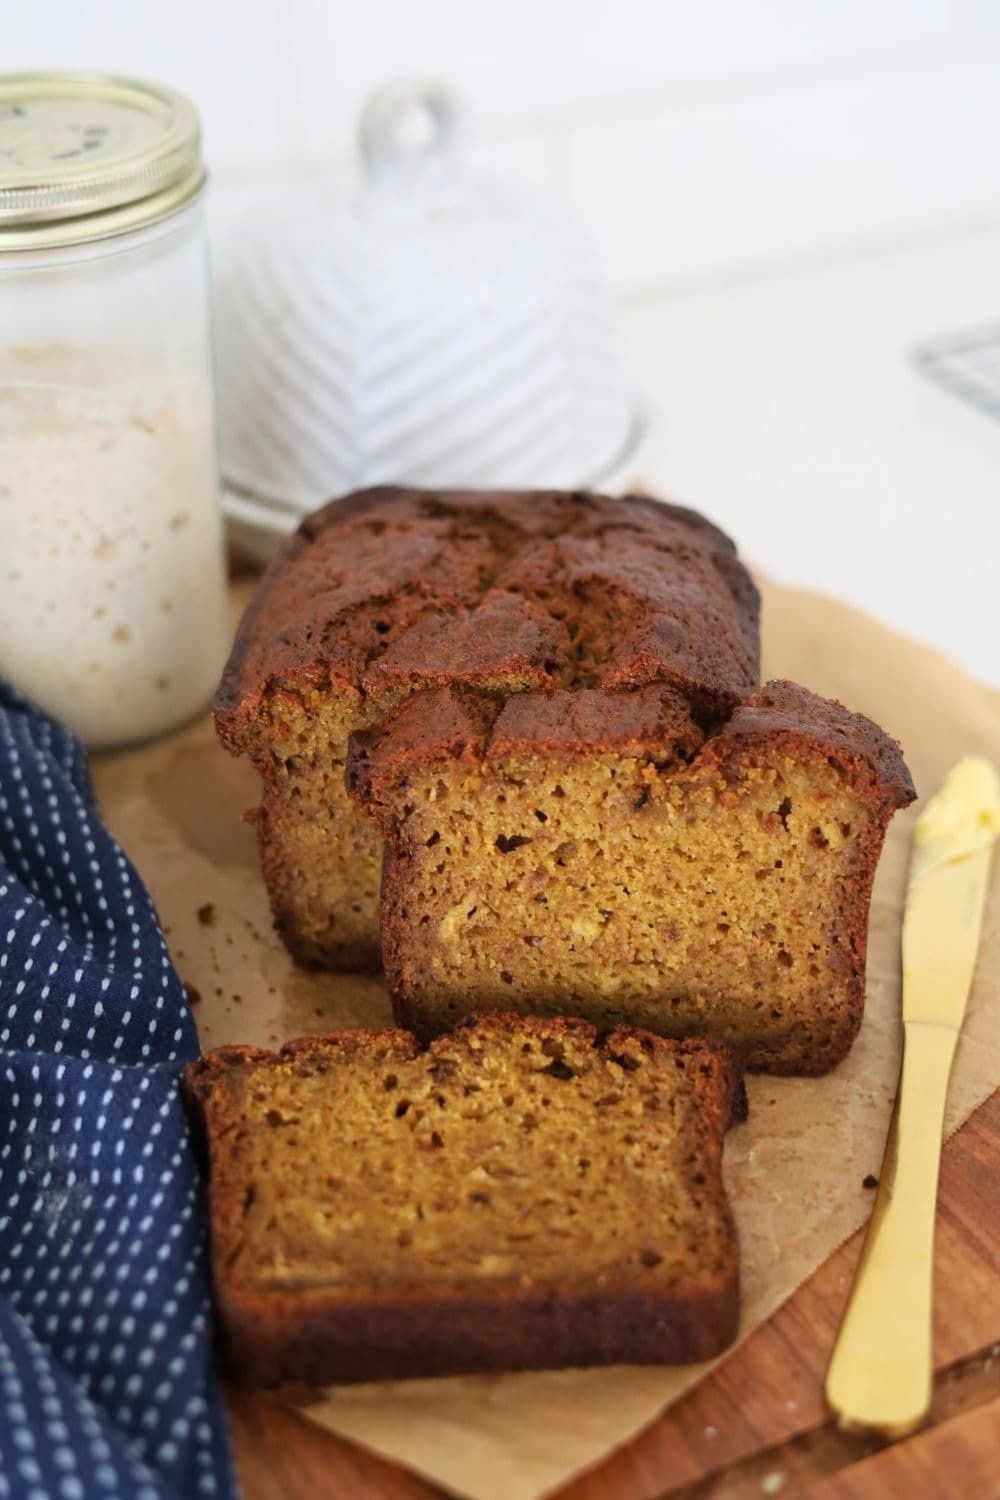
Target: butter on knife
{"x":949,"y":867}
{"x":880,"y":1375}
{"x":963,"y":818}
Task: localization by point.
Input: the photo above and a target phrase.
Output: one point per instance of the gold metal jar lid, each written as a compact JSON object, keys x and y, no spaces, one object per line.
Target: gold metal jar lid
{"x":86,"y":156}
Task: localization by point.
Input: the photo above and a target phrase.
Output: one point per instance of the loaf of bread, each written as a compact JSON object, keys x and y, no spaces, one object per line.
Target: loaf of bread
{"x":553,"y":712}
{"x":393,"y":590}
{"x":521,"y":1194}
{"x":599,"y":854}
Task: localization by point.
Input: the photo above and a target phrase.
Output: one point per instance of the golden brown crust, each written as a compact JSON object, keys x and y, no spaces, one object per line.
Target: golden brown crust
{"x":783,"y":713}
{"x":270,"y":1337}
{"x":443,"y":726}
{"x":365,"y":571}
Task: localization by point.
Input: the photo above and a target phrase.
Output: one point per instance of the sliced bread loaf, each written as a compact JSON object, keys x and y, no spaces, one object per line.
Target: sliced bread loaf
{"x":599,"y":854}
{"x":521,"y":1194}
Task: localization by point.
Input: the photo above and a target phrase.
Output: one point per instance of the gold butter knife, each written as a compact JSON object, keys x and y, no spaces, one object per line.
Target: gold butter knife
{"x":881,"y":1372}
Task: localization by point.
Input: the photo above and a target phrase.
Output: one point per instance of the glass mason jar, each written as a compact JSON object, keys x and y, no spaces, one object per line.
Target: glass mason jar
{"x":112,"y":576}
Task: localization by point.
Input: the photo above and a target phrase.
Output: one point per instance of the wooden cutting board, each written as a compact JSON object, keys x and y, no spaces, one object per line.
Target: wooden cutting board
{"x":757,"y":1425}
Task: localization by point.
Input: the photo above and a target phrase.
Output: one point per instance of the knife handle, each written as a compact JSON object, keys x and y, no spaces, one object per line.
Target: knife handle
{"x":880,"y":1374}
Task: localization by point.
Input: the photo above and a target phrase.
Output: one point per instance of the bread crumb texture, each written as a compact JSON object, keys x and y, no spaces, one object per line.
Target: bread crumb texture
{"x":721,"y":890}
{"x":522,"y":1160}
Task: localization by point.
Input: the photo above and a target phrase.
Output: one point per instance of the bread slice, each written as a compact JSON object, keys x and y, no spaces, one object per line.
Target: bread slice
{"x":599,"y":854}
{"x":523,"y":1194}
{"x":392,"y":591}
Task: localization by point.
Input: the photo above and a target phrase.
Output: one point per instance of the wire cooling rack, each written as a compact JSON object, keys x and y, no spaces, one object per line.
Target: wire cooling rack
{"x":968,"y":365}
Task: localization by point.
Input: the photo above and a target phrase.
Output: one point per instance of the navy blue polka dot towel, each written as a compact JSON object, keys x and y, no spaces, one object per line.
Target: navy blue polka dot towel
{"x":106,"y":1384}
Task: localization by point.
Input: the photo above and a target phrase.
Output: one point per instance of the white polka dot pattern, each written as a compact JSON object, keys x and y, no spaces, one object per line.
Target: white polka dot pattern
{"x":106,"y":1382}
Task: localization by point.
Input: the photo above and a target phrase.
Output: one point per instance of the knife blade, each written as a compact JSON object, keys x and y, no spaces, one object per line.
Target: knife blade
{"x":880,"y":1374}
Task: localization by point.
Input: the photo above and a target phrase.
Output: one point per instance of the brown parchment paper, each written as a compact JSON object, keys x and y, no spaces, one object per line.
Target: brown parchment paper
{"x":794,"y":1171}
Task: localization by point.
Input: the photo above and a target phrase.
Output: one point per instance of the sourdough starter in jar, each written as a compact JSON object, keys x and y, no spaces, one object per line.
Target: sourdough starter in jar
{"x":111,"y":579}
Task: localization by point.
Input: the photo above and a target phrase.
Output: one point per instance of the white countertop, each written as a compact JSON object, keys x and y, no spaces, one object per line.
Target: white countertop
{"x":786,"y":407}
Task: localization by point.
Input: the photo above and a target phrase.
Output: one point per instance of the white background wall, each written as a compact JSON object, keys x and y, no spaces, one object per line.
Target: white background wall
{"x":689,"y":138}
